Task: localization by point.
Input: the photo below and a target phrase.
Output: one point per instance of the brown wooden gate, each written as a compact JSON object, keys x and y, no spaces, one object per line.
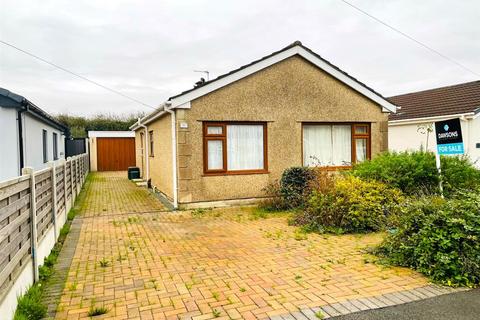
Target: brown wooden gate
{"x":115,"y":154}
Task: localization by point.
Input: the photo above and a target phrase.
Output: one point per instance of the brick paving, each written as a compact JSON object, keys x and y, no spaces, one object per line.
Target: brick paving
{"x":141,"y":262}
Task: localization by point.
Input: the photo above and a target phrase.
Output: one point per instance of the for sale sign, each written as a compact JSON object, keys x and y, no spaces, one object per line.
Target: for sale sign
{"x":449,"y":137}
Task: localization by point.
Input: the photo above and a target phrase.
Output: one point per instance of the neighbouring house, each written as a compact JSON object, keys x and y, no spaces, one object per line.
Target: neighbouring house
{"x":30,"y":137}
{"x":224,"y":140}
{"x":111,"y":150}
{"x":411,"y":128}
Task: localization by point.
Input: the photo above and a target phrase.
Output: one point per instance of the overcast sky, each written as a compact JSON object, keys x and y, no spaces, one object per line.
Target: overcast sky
{"x":149,"y":49}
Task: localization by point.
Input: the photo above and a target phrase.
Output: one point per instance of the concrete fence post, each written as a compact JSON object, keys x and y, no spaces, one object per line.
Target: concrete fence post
{"x":33,"y":220}
{"x":72,"y":179}
{"x":65,"y":186}
{"x":77,"y":166}
{"x":54,"y":198}
{"x":80,"y":169}
{"x":84,"y":168}
{"x":79,"y":182}
{"x":72,"y":198}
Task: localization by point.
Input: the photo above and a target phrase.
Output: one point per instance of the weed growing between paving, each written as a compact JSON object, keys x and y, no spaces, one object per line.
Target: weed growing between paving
{"x":97,"y":311}
{"x":30,"y":305}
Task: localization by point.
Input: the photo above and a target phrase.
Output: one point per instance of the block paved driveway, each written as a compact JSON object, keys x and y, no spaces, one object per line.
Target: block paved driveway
{"x":141,"y":262}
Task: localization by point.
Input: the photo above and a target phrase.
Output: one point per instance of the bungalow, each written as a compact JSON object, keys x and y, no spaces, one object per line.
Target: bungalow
{"x":411,"y":128}
{"x":224,"y":140}
{"x":30,"y":137}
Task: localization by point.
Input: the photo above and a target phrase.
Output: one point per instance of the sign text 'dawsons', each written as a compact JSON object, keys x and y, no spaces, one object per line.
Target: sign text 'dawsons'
{"x":449,"y":137}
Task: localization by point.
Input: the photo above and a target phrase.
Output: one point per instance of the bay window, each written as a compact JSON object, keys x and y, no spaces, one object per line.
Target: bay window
{"x":234,"y":147}
{"x":335,"y":145}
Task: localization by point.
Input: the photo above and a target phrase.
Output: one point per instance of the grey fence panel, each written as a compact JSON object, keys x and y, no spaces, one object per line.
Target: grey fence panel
{"x":44,"y":200}
{"x":68,"y":179}
{"x":60,"y":188}
{"x":14,"y":228}
{"x":17,"y":211}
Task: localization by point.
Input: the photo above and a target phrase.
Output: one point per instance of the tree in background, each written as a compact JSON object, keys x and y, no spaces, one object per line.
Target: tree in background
{"x":80,"y":125}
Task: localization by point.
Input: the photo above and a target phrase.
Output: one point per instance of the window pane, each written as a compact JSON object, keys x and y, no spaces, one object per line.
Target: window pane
{"x":55,"y":146}
{"x":44,"y":143}
{"x":361,"y":129}
{"x":214,"y":130}
{"x":361,"y":149}
{"x":245,"y":147}
{"x":327,"y":145}
{"x":150,"y":135}
{"x":342,"y":145}
{"x":215,"y":154}
{"x":317,"y":145}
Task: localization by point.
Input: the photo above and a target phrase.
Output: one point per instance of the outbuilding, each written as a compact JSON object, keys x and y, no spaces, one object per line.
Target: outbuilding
{"x":111,"y":150}
{"x":223,"y":141}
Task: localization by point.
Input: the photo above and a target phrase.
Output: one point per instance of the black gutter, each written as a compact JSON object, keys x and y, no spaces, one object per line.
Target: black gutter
{"x":20,"y":138}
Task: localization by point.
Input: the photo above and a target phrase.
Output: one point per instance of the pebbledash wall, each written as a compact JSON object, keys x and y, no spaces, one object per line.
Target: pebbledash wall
{"x":284,"y":96}
{"x":161,"y":160}
{"x":33,"y":209}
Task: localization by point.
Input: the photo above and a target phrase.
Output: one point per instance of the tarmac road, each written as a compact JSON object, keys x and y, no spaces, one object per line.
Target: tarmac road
{"x":455,"y":306}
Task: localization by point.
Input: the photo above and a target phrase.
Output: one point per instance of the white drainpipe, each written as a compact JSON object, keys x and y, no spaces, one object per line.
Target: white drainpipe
{"x":147,"y":164}
{"x":174,"y":154}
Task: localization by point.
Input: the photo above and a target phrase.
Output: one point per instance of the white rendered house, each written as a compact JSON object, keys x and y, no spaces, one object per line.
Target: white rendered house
{"x":411,"y":128}
{"x":29,"y":137}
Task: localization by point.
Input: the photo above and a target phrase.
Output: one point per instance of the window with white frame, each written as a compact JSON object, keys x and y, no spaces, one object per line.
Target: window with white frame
{"x":231,"y":147}
{"x":335,"y":145}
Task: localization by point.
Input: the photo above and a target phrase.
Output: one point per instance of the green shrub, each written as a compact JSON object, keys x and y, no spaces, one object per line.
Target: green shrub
{"x":274,"y":200}
{"x":410,"y":172}
{"x":440,"y":238}
{"x":294,"y":184}
{"x":459,"y":174}
{"x":351,"y":205}
{"x":30,"y":305}
{"x":415,"y":173}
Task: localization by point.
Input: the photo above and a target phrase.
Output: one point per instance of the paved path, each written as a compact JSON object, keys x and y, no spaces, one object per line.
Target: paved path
{"x":141,"y":262}
{"x":455,"y":306}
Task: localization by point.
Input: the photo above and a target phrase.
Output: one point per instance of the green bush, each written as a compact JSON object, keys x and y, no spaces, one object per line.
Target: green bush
{"x":30,"y":305}
{"x":294,"y":184}
{"x":351,"y":205}
{"x":274,"y":200}
{"x":440,"y":238}
{"x":415,"y":173}
{"x":459,"y":174}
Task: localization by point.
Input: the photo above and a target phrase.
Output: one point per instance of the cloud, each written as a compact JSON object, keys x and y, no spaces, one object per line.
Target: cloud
{"x":149,"y":49}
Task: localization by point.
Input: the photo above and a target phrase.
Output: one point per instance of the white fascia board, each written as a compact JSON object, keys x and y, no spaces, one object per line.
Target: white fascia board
{"x":186,"y":105}
{"x":111,"y":134}
{"x":476,"y":113}
{"x":181,"y":100}
{"x":469,"y":115}
{"x":151,"y":119}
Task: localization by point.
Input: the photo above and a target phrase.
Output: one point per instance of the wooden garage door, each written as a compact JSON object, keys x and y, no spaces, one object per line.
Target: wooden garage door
{"x":115,"y":154}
